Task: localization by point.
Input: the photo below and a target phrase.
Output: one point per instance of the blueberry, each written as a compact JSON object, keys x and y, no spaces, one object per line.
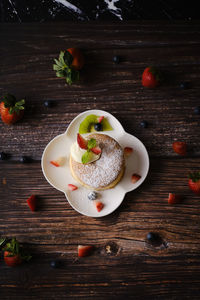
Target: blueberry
{"x":48,"y":103}
{"x":184,"y":85}
{"x":151,"y":236}
{"x":92,"y":195}
{"x":116,"y":59}
{"x":197,"y":110}
{"x":98,"y":127}
{"x":55,"y":264}
{"x":25,"y":159}
{"x":3,"y":156}
{"x":144,"y":124}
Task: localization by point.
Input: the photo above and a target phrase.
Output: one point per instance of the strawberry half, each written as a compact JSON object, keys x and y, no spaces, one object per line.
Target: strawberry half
{"x":135,"y":178}
{"x":32,"y":202}
{"x":174,"y":198}
{"x":99,"y":205}
{"x":55,"y":163}
{"x":84,"y":250}
{"x":96,"y":150}
{"x":100,"y":119}
{"x":179,"y":147}
{"x":81,"y":142}
{"x":194,"y":182}
{"x":128,"y":151}
{"x":58,"y":162}
{"x":72,"y":187}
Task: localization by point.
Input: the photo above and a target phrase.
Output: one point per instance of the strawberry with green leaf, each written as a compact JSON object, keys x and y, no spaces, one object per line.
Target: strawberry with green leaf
{"x":151,"y":77}
{"x":68,"y":65}
{"x":194,"y":182}
{"x":90,"y":146}
{"x":14,"y":254}
{"x":11,"y":110}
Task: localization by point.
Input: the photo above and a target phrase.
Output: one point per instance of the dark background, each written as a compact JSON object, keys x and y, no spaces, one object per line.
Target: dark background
{"x":61,"y":10}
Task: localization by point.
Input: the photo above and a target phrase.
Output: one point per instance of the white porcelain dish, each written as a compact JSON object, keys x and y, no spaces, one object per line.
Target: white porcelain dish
{"x":60,"y":177}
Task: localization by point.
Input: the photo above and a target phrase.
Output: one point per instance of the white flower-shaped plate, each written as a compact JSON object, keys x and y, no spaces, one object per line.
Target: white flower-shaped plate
{"x":60,"y":177}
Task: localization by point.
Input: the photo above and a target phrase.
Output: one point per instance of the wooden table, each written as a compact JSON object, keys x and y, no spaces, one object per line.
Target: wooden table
{"x":134,"y":269}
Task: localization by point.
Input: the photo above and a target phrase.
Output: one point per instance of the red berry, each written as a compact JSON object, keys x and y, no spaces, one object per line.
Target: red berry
{"x":81,"y":142}
{"x":54,"y":163}
{"x":194,"y":182}
{"x":179,"y":147}
{"x":99,"y":205}
{"x":174,"y":198}
{"x":96,"y":150}
{"x":58,"y":162}
{"x":135,"y":178}
{"x":72,"y":187}
{"x":150,"y":77}
{"x":100,"y":119}
{"x":128,"y":151}
{"x":32,"y":202}
{"x":84,"y":250}
{"x":12,"y":260}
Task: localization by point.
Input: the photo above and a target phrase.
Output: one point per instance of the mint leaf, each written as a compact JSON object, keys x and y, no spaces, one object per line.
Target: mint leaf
{"x":91,"y":143}
{"x":86,"y":157}
{"x":61,"y":57}
{"x":20,"y":103}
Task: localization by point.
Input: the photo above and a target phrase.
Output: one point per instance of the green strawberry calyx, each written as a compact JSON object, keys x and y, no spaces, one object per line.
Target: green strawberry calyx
{"x":194,"y":176}
{"x":13,"y":248}
{"x":11,"y":102}
{"x":63,"y":67}
{"x":157,"y":74}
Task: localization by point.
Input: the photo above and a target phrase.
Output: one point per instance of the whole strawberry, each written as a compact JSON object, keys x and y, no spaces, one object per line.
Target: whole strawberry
{"x":14,"y":254}
{"x":194,"y":182}
{"x":11,"y":110}
{"x":68,"y":65}
{"x":151,"y":77}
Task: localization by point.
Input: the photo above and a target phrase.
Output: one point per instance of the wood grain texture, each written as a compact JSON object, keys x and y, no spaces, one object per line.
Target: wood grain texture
{"x":26,"y":70}
{"x":134,"y":269}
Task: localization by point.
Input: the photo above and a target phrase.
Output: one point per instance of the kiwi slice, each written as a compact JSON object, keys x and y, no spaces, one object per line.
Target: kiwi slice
{"x":106,"y":125}
{"x":87,"y":125}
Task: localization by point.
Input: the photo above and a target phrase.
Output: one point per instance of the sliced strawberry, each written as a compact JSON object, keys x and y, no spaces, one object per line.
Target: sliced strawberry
{"x":58,"y":162}
{"x":96,"y":150}
{"x":99,"y":205}
{"x":100,"y":119}
{"x":128,"y":151}
{"x":72,"y":187}
{"x":32,"y":202}
{"x":135,"y":178}
{"x":179,"y":147}
{"x":174,"y":198}
{"x":84,"y":250}
{"x":81,"y":142}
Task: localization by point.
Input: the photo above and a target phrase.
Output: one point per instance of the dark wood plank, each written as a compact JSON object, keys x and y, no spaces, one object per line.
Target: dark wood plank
{"x":143,"y":210}
{"x":26,"y":70}
{"x":55,"y":230}
{"x":135,"y":269}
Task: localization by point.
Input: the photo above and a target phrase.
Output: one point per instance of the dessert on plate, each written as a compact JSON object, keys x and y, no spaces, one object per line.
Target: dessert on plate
{"x":97,"y":161}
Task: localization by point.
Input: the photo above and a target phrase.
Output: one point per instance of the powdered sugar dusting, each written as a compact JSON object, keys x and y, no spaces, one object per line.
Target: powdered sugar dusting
{"x":105,"y":170}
